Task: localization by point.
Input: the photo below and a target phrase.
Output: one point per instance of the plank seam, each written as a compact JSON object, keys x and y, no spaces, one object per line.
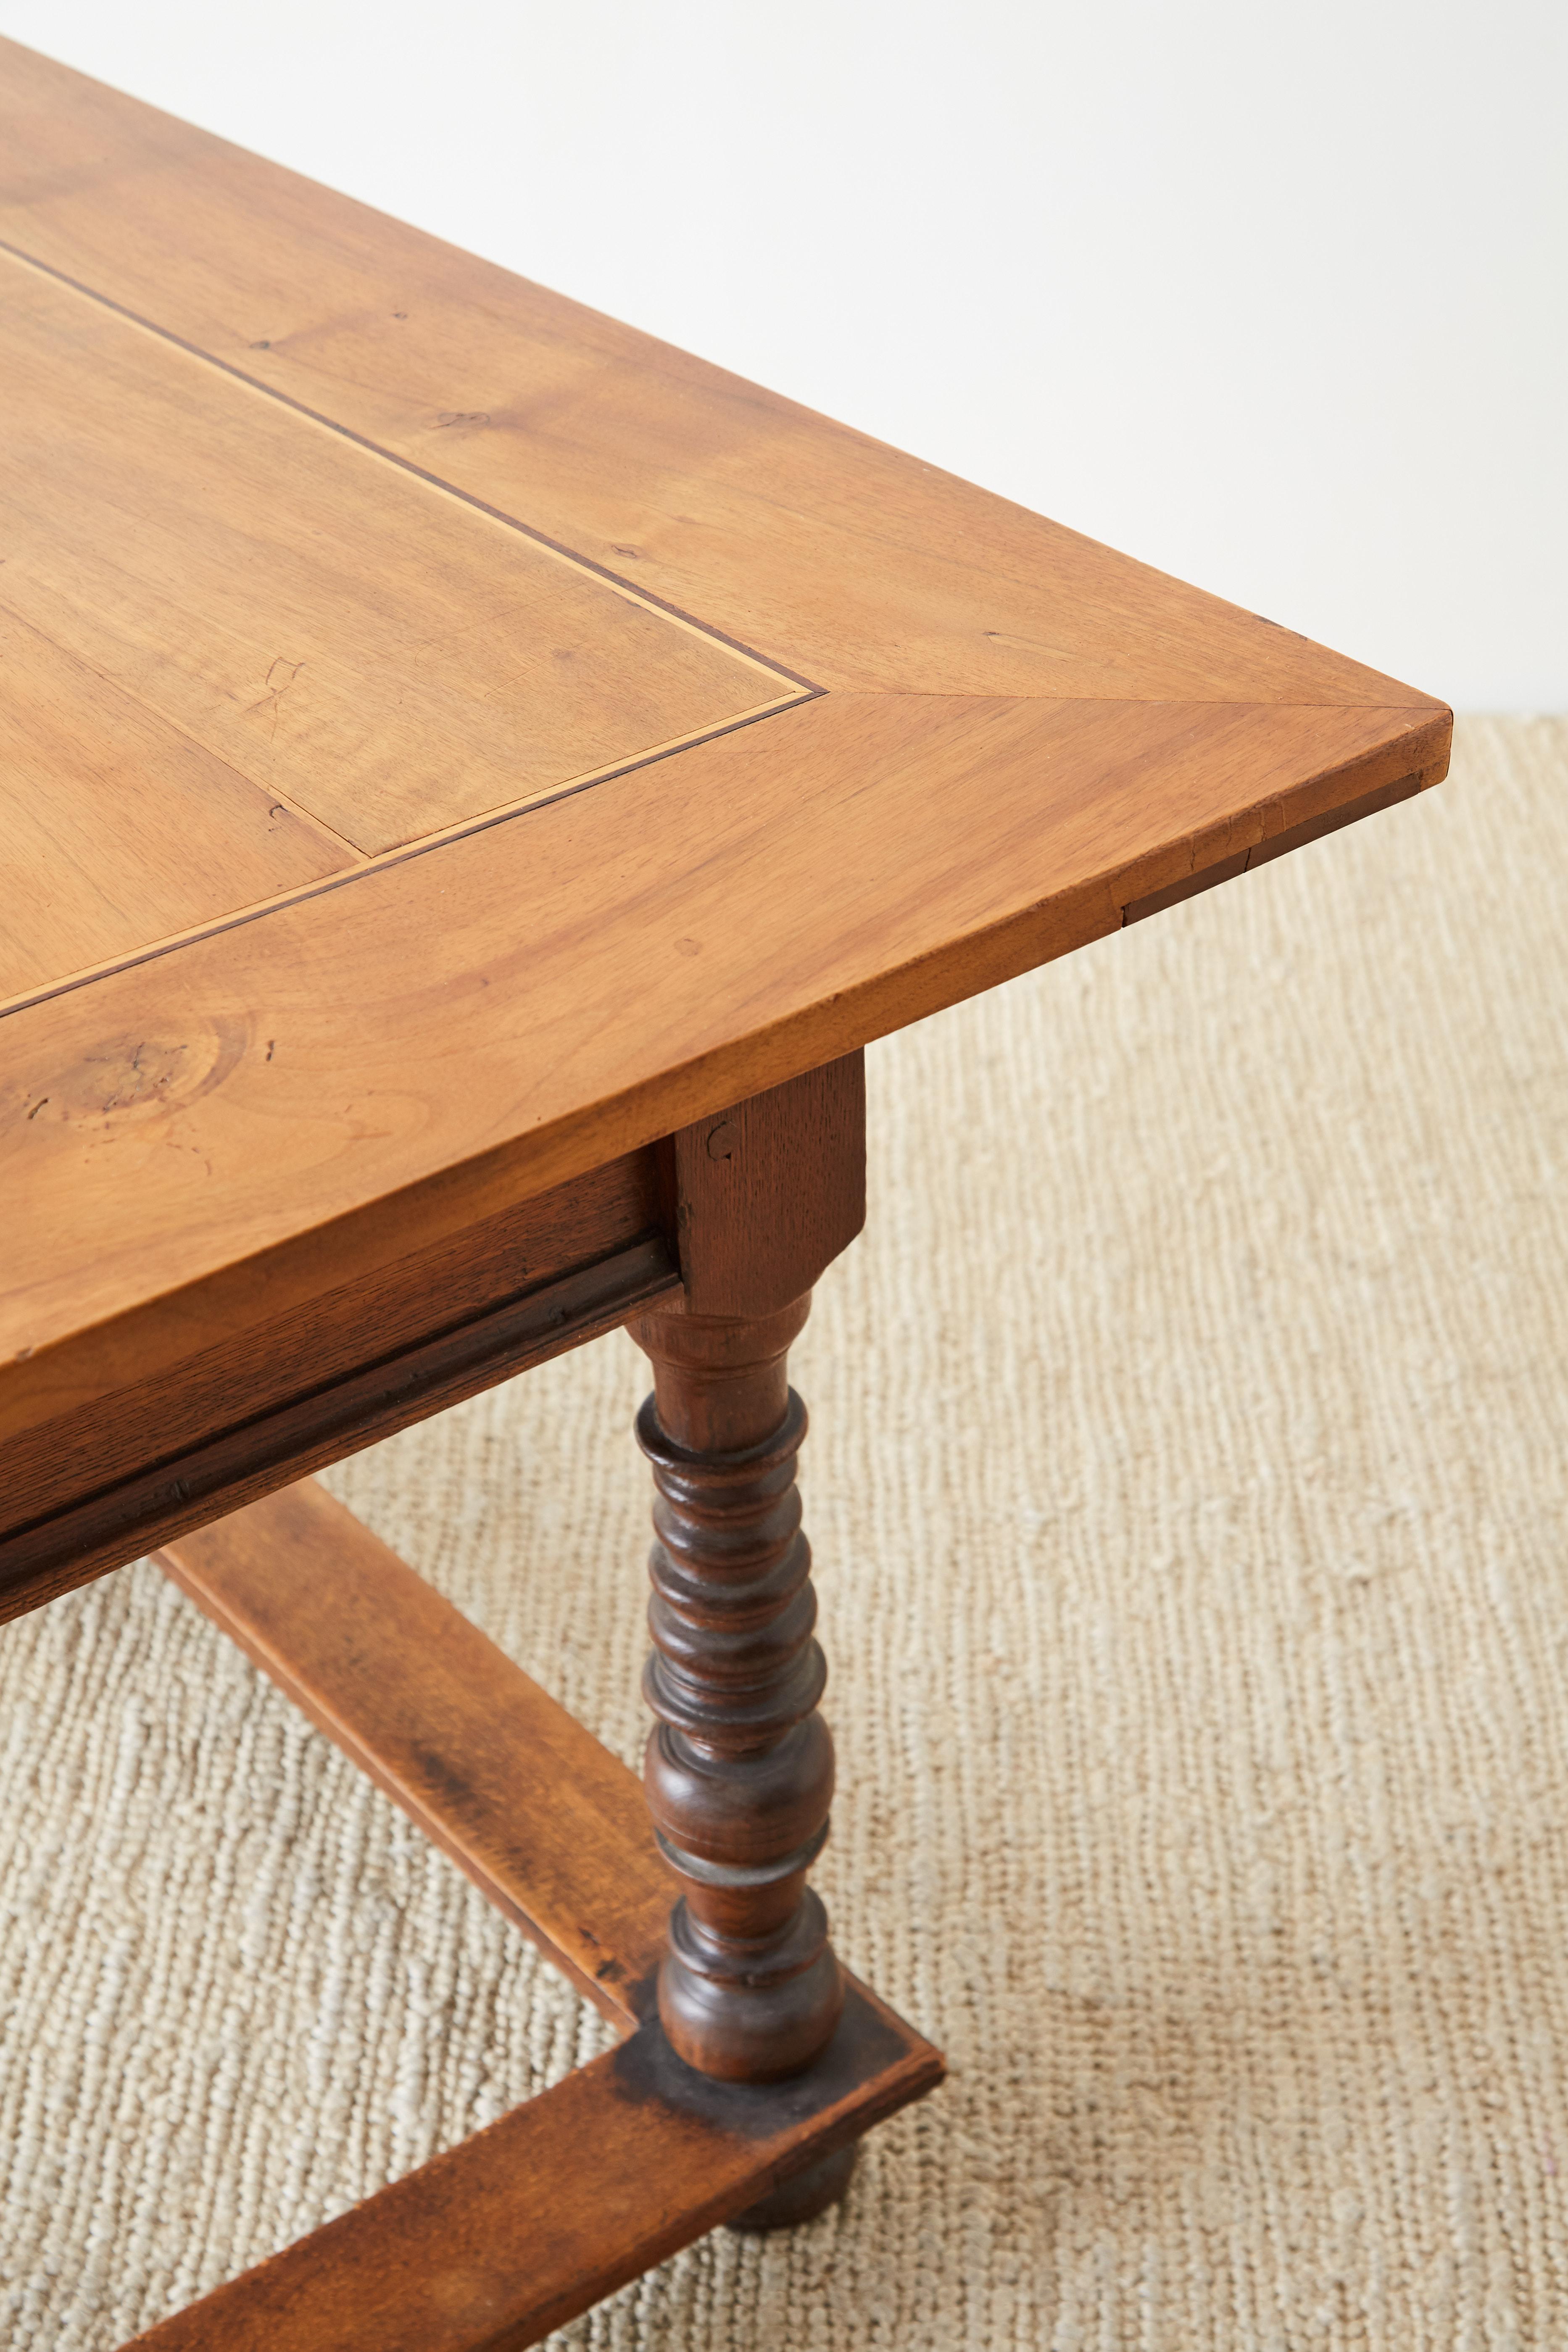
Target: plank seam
{"x":565,"y":554}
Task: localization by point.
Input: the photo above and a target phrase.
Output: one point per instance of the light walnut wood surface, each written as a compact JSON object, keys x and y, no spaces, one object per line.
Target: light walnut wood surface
{"x":379,"y":658}
{"x":820,"y":548}
{"x":115,"y":829}
{"x":1022,"y":736}
{"x":241,"y":1090}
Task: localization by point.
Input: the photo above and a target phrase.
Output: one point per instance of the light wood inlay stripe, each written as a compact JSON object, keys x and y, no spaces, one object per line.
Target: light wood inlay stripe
{"x":242,"y":649}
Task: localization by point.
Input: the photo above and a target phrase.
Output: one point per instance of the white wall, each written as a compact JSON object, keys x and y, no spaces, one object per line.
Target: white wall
{"x":1275,"y":297}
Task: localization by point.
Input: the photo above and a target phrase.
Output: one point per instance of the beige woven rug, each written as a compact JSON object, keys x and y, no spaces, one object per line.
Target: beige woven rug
{"x":1188,"y":1488}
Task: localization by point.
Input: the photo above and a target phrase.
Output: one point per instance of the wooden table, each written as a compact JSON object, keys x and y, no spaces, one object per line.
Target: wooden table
{"x":475,"y":780}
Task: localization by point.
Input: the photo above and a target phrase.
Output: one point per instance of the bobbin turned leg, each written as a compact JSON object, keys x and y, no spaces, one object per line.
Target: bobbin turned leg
{"x":739,"y":1769}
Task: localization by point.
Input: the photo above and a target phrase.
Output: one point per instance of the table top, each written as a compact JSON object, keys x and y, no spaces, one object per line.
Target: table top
{"x":452,"y":738}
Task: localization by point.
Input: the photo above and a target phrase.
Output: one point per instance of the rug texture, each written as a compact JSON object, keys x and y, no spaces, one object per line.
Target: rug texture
{"x":1187,"y":1482}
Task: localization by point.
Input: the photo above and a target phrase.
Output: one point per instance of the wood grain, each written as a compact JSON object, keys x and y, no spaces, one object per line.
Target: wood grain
{"x":739,"y":1767}
{"x":385,"y":656}
{"x":115,"y":829}
{"x":551,"y":1827}
{"x":1026,"y":736}
{"x":328,"y":1316}
{"x":844,"y":560}
{"x":1279,"y":845}
{"x":771,"y":1191}
{"x":93,"y":1524}
{"x":437,"y":1049}
{"x":494,"y":2243}
{"x":115,"y":1525}
{"x":502,"y":2239}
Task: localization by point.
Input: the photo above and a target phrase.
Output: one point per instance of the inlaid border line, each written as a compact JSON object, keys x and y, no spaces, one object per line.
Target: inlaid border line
{"x":386,"y":858}
{"x":557,"y":548}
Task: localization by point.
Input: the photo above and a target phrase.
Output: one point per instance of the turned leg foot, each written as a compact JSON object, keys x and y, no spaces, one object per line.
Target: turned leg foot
{"x":803,"y":2195}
